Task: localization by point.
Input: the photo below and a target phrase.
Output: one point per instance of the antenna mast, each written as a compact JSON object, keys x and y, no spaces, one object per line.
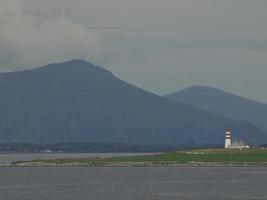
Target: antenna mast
{"x":18,"y":116}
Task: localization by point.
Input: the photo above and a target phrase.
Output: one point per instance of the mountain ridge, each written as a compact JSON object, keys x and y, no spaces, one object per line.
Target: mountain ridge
{"x":76,"y":101}
{"x":223,"y":103}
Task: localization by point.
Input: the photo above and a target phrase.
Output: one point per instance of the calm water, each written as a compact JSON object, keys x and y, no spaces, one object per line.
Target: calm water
{"x":205,"y":183}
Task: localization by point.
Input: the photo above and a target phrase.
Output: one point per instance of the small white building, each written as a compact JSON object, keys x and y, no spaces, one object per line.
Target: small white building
{"x":237,"y":144}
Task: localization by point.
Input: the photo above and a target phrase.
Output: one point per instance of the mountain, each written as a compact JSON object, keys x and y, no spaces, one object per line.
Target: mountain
{"x":223,"y":103}
{"x":77,"y":101}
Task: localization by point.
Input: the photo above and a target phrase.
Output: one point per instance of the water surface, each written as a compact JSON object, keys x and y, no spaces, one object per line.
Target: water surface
{"x":188,"y":183}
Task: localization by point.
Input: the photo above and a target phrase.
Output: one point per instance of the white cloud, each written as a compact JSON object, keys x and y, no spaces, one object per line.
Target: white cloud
{"x":28,"y":41}
{"x":158,"y":45}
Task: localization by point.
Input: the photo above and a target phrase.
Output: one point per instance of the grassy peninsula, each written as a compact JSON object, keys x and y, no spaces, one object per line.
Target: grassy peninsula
{"x":197,"y":157}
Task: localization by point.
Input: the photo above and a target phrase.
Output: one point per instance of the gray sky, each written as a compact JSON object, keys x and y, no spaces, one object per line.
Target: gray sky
{"x":159,"y":45}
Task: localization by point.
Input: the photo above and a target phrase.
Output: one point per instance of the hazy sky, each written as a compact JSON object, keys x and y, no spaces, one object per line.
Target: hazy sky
{"x":159,"y":45}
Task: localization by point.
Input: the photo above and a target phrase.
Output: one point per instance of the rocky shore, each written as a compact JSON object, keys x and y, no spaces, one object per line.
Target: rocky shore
{"x":194,"y":158}
{"x":134,"y":164}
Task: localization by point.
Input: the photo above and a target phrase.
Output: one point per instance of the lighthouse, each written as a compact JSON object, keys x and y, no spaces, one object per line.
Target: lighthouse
{"x":227,"y":138}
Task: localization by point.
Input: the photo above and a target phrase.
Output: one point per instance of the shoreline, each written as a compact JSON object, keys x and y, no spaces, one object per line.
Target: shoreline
{"x":135,"y":164}
{"x":194,"y":158}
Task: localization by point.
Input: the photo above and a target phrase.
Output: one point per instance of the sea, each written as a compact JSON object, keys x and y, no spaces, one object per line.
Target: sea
{"x":130,"y":183}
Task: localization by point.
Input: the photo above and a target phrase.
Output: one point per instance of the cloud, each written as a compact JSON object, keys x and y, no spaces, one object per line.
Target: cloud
{"x":161,"y":46}
{"x":28,"y":41}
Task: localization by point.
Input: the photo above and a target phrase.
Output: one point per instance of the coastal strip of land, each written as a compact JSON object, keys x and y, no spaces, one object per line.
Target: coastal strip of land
{"x":192,"y":158}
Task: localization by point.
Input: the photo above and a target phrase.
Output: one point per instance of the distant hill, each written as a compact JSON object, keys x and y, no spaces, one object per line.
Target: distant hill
{"x":77,"y":101}
{"x":223,"y":103}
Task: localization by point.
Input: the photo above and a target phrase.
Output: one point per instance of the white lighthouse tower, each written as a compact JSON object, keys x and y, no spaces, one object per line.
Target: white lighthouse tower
{"x":227,"y":138}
